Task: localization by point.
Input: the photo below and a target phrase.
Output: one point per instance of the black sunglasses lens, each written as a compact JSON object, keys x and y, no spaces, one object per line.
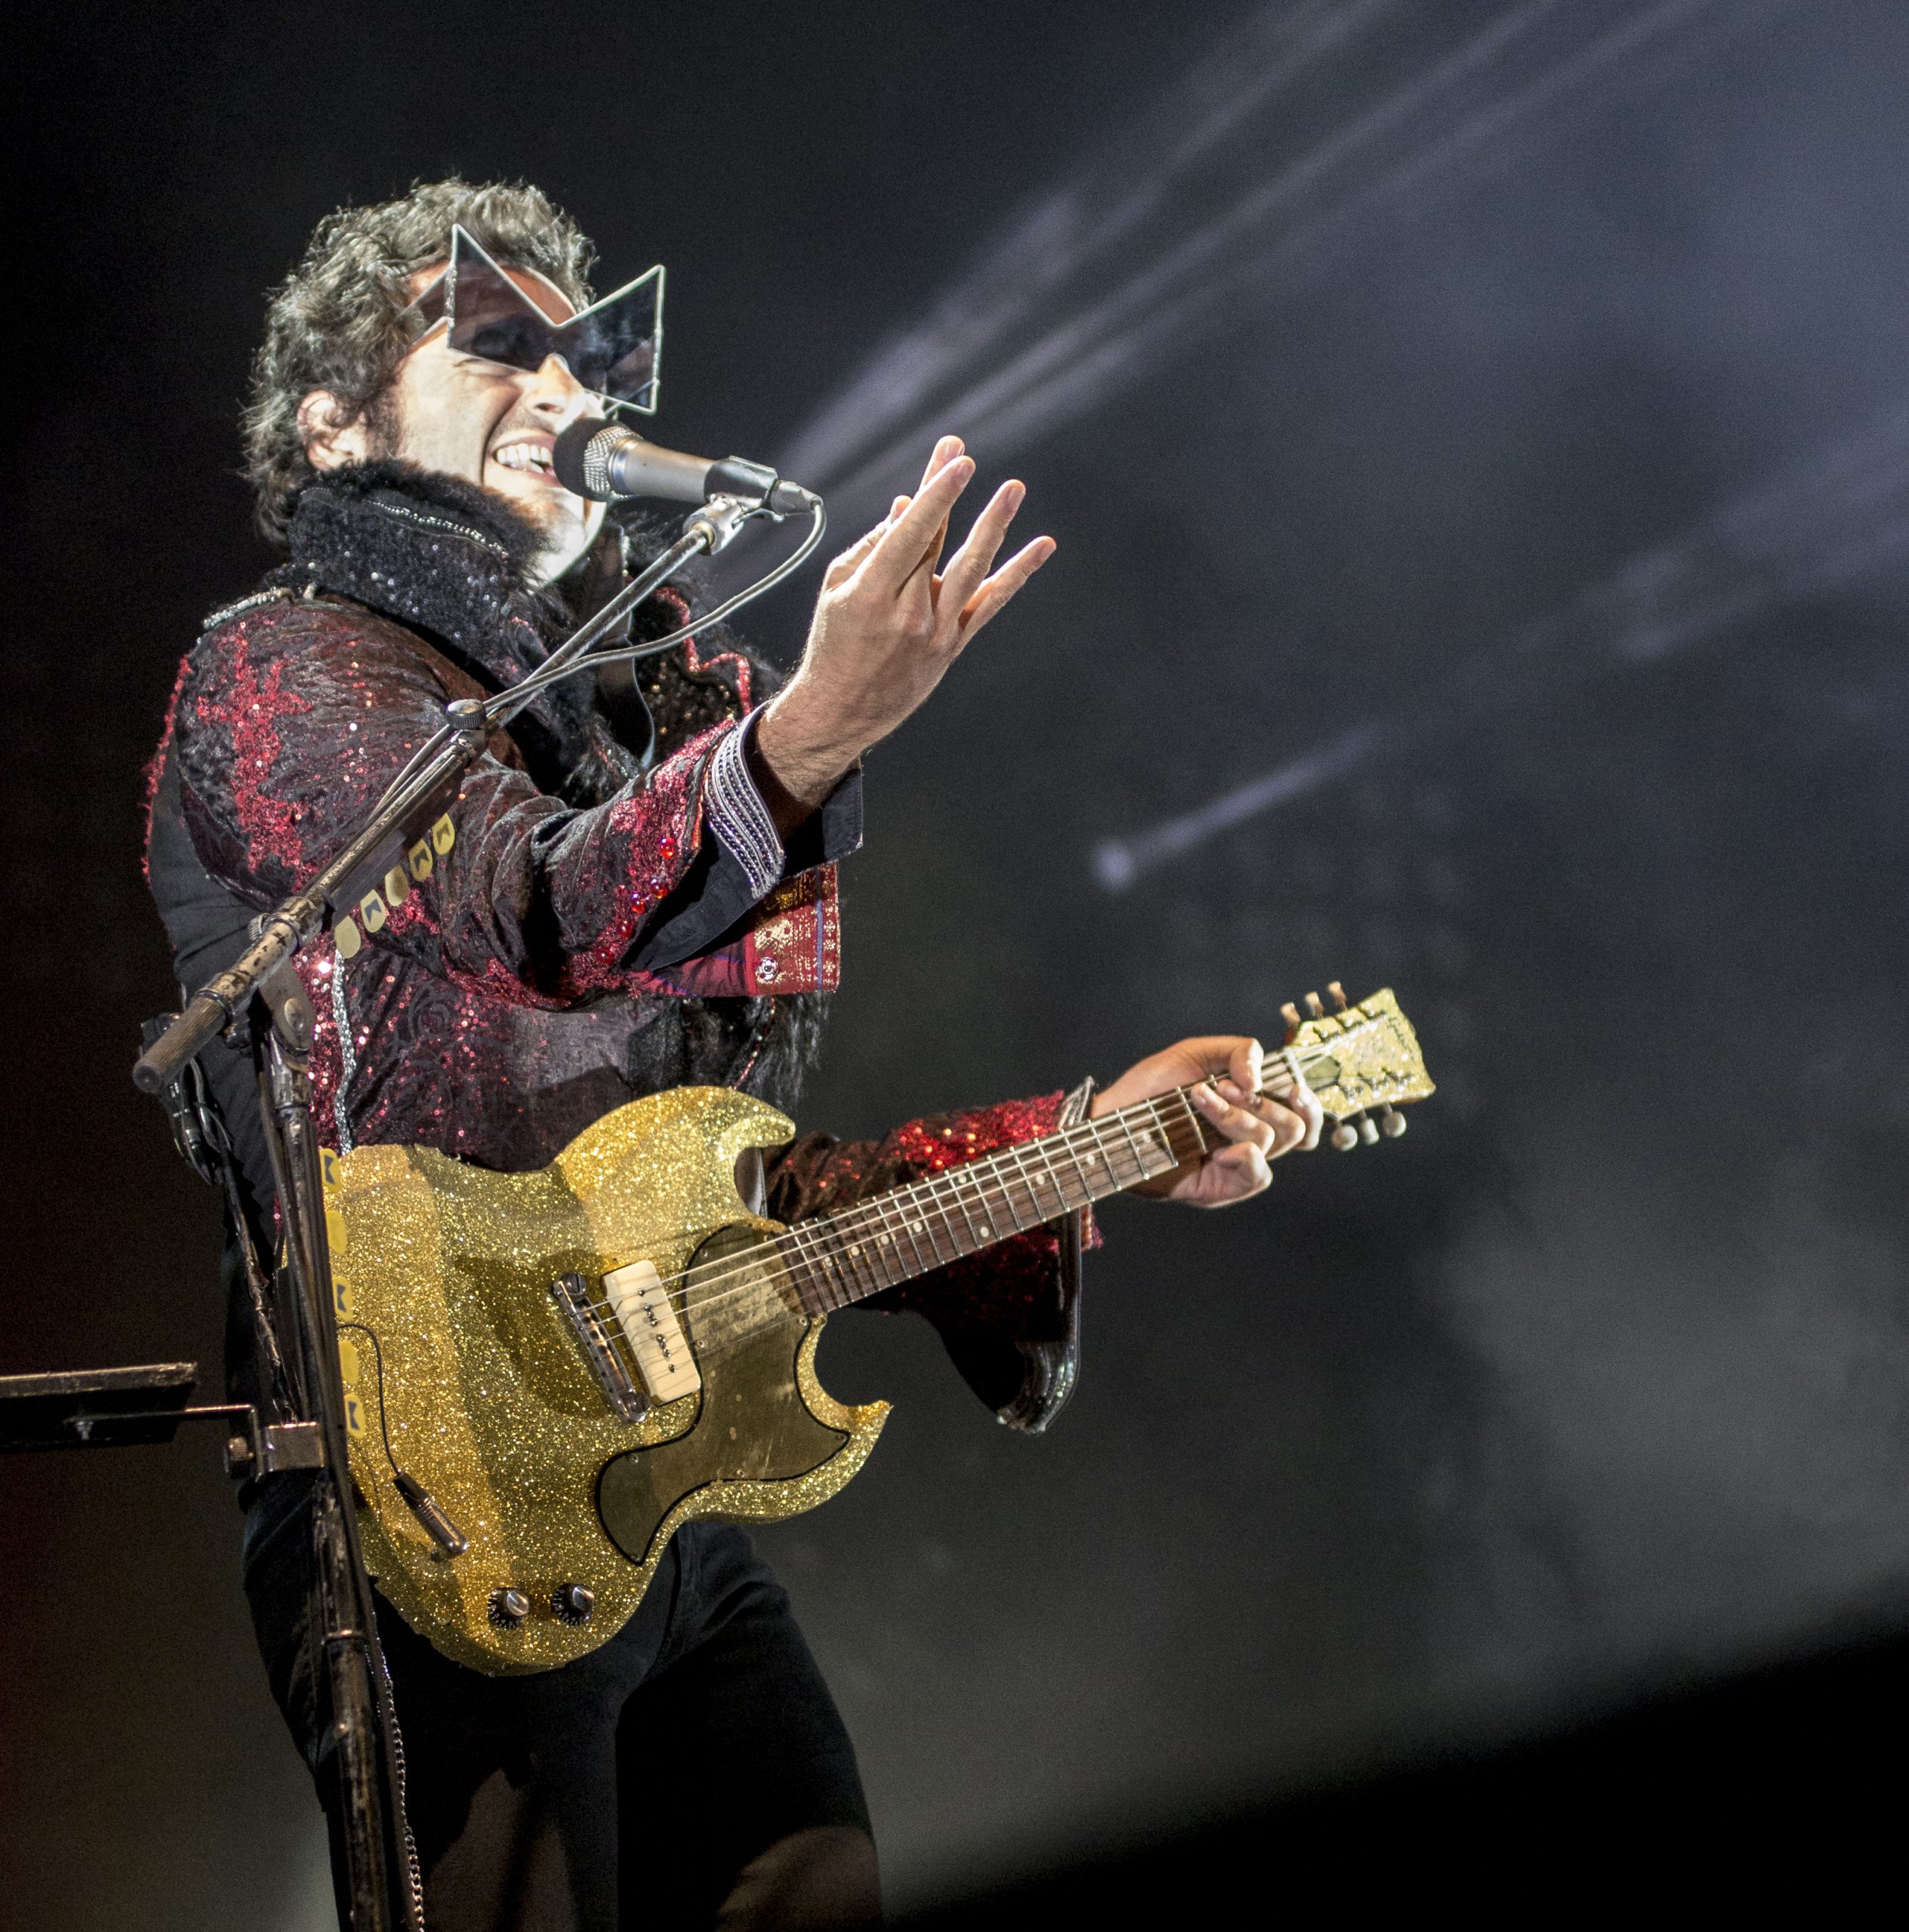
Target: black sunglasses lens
{"x":521,"y":340}
{"x":610,"y":348}
{"x":615,"y":356}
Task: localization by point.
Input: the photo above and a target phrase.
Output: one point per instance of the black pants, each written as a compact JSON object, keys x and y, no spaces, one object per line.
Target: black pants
{"x":626,"y":1790}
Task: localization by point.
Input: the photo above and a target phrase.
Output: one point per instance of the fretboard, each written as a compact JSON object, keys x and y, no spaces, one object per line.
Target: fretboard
{"x":842,"y":1258}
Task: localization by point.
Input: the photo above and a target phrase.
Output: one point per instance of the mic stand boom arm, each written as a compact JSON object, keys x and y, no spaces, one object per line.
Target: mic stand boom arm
{"x":259,"y":992}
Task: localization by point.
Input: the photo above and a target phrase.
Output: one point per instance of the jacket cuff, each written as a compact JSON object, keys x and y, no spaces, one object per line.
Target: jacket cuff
{"x":731,"y":876}
{"x":1050,"y":1364}
{"x":1010,"y":1316}
{"x":745,"y":827}
{"x":737,"y":816}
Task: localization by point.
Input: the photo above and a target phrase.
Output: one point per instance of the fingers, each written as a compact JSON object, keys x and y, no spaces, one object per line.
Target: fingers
{"x":1237,"y":1122}
{"x":971,"y":561}
{"x":1301,"y":1099}
{"x":845,"y":565}
{"x":993,"y":596}
{"x":1292,"y":1121}
{"x":1232,"y":1173}
{"x":946,"y":451}
{"x":1286,"y":1093}
{"x":954,"y":587}
{"x":1237,"y":1172}
{"x":1287,"y":1105}
{"x":1245,"y":1067}
{"x":904,"y":543}
{"x":966,"y":602}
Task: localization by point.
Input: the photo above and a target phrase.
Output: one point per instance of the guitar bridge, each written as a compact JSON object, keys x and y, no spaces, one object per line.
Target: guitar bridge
{"x":571,"y":1293}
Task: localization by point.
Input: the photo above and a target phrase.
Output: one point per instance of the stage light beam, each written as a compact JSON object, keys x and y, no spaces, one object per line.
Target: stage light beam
{"x":1840,"y":515}
{"x":1126,"y":215}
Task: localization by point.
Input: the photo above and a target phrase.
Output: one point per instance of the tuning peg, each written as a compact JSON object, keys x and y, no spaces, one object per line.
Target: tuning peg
{"x":1290,"y":1014}
{"x":1345,"y":1137}
{"x":1337,"y":994}
{"x":1369,"y":1130}
{"x":1392,"y":1123}
{"x":1315,"y":1006}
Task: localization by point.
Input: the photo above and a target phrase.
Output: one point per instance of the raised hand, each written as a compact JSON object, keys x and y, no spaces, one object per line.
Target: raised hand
{"x":888,"y":624}
{"x":1224,"y":1072}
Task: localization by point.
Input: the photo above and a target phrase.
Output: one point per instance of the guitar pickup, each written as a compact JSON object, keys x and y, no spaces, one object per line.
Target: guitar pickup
{"x":650,"y":1326}
{"x":571,"y":1293}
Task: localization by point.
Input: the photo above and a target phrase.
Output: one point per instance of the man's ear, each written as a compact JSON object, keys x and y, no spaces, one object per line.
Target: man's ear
{"x":332,"y":435}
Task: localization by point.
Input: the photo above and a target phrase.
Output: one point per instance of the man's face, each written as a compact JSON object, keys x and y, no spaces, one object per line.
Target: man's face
{"x":492,"y":425}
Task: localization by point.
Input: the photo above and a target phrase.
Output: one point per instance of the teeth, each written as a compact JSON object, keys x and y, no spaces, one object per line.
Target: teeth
{"x":522,"y":456}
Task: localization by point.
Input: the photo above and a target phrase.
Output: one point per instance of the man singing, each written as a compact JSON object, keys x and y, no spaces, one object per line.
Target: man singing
{"x":641,"y":896}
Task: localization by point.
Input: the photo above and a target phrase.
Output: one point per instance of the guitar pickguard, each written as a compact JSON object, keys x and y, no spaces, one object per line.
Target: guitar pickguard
{"x":754,"y":1429}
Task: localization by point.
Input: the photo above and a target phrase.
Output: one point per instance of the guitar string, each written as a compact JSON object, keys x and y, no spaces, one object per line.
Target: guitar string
{"x":855,"y":1249}
{"x":868,"y":1239}
{"x":860,"y":1257}
{"x":944,"y":1183}
{"x":945,"y":1188}
{"x":864,"y":1276}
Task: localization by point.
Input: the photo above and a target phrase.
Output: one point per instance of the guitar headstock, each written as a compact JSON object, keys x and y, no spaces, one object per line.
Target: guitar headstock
{"x":1358,"y":1059}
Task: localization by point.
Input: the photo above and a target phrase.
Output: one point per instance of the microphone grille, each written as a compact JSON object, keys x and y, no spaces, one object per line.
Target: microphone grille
{"x":582,"y":457}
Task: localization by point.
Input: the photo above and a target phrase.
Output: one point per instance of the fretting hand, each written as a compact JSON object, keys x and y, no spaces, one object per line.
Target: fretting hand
{"x":888,"y":624}
{"x":1225,"y":1073}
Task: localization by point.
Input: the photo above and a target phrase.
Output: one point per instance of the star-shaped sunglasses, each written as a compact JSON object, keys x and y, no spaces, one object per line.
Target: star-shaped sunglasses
{"x":611,"y":347}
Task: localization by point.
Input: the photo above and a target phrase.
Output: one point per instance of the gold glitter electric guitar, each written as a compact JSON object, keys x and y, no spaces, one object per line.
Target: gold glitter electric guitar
{"x":546,"y":1374}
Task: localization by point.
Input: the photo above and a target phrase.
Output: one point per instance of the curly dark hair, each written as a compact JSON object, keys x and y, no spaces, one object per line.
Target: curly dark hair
{"x":332,"y":322}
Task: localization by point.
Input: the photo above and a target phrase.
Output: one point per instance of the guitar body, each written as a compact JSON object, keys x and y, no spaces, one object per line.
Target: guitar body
{"x":545,"y":1375}
{"x":462,"y":1371}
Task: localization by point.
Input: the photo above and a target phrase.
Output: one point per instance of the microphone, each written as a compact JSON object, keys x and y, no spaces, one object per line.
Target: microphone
{"x":604,"y":460}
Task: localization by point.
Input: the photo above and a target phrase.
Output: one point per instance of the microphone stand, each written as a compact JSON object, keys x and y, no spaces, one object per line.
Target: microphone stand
{"x":260,"y":998}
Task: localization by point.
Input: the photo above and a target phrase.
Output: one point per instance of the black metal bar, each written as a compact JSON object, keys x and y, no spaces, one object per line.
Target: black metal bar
{"x":383,"y":1891}
{"x":381,"y":1881}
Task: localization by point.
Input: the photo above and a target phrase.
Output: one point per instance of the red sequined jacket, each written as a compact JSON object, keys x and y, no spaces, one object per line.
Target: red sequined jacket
{"x":598,"y":930}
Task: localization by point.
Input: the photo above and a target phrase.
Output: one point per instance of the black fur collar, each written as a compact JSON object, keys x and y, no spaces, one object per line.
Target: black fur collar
{"x":429,"y":550}
{"x":450,"y":560}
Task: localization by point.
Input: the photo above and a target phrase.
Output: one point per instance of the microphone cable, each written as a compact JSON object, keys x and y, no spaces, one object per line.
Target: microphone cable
{"x":567,"y":660}
{"x":574,"y":654}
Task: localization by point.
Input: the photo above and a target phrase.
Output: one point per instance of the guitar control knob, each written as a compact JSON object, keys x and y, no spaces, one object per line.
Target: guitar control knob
{"x":1345,"y":1137}
{"x":573,"y":1602}
{"x":509,"y":1608}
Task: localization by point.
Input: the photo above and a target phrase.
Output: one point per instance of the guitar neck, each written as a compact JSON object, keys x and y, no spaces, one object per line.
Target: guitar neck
{"x":1358,"y":1058}
{"x":838,"y":1259}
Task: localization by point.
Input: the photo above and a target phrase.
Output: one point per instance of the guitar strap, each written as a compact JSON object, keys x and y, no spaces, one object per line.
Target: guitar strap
{"x":201,"y":1138}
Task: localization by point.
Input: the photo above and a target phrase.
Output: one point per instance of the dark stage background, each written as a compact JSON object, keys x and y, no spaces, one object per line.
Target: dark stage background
{"x":1523,"y":381}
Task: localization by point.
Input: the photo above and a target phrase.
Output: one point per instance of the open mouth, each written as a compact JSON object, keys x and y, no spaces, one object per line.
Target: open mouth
{"x":528,"y":457}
